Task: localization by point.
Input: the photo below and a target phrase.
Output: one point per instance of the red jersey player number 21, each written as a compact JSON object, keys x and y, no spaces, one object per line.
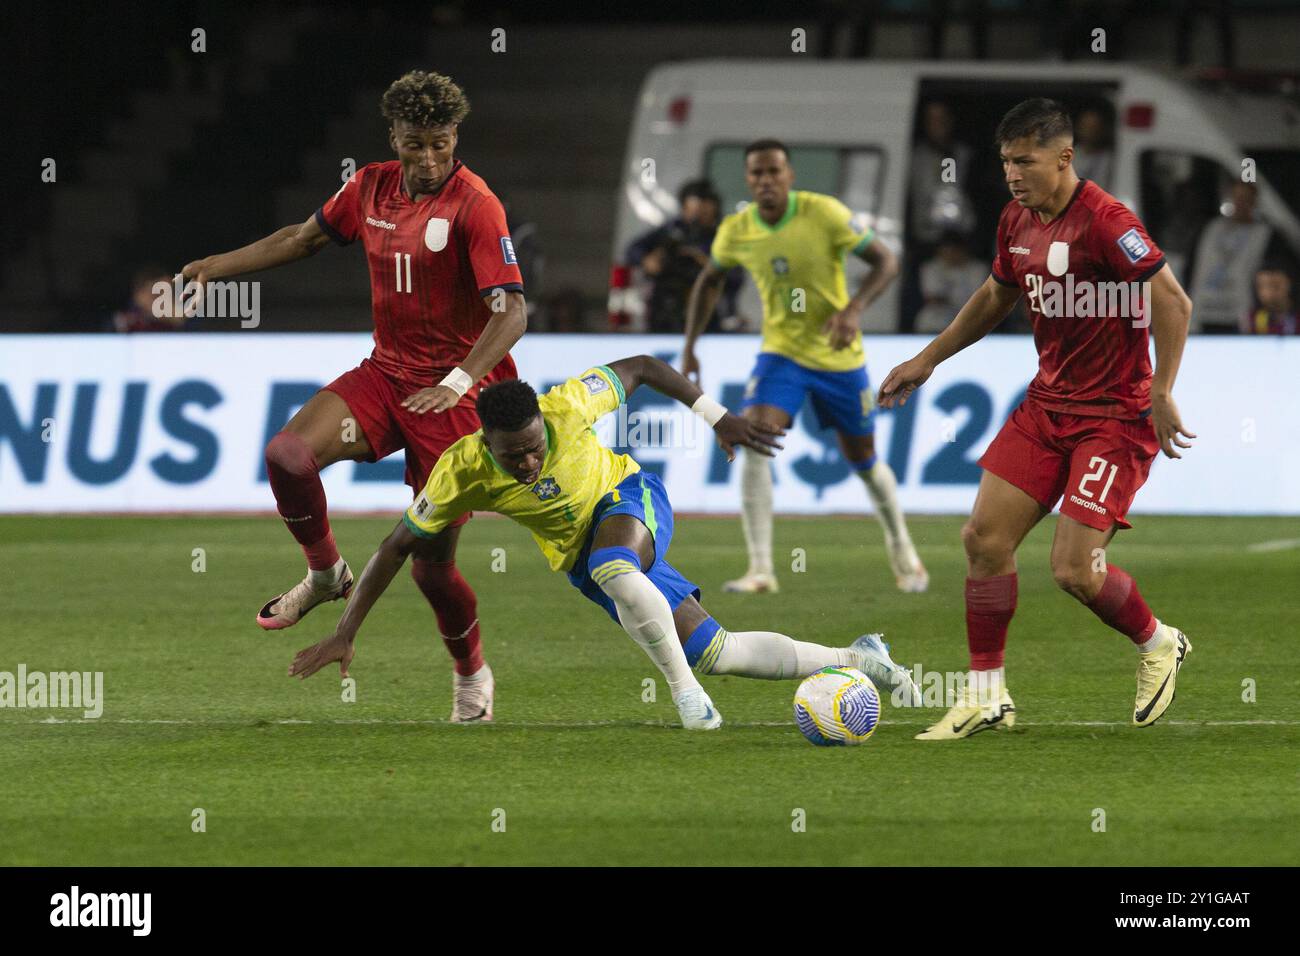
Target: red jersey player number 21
{"x":1097,"y":288}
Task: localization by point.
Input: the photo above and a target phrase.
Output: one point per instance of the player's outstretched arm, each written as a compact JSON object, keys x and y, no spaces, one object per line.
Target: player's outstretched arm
{"x":379,"y":573}
{"x":977,"y":318}
{"x":843,"y":327}
{"x":703,"y":300}
{"x":284,"y":245}
{"x":731,"y":429}
{"x":503,"y":330}
{"x":1171,"y":314}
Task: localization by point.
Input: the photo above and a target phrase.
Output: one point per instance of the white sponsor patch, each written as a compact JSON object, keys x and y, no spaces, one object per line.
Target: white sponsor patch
{"x":595,"y":383}
{"x":422,"y":506}
{"x":435,"y":234}
{"x":1133,"y":245}
{"x":1058,"y":258}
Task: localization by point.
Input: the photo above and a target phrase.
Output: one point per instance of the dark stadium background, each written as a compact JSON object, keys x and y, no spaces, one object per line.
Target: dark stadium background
{"x":164,"y":155}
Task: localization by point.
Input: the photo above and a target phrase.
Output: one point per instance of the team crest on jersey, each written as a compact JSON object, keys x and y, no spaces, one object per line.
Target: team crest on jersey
{"x":595,"y":383}
{"x":1133,"y":245}
{"x":508,"y":251}
{"x":435,"y":234}
{"x":546,"y":489}
{"x":1058,"y":258}
{"x":780,"y":265}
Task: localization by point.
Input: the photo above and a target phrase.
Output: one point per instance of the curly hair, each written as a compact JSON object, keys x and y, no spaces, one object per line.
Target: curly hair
{"x":424,"y":100}
{"x":507,"y":406}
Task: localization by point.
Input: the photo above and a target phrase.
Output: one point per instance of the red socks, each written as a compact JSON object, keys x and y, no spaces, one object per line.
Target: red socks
{"x":1120,"y":605}
{"x":454,"y":603}
{"x":990,"y":603}
{"x":300,"y":498}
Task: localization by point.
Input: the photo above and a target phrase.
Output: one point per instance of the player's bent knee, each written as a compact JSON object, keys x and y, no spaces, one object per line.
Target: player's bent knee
{"x":1074,"y":580}
{"x":606,"y":566}
{"x":287,"y":452}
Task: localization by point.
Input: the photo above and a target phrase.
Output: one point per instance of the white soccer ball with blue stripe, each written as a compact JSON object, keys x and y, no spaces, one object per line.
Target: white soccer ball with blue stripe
{"x":837,"y":707}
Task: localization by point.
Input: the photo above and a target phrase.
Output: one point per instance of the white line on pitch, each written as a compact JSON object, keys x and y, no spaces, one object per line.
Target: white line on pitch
{"x":561,"y":725}
{"x":1282,"y":544}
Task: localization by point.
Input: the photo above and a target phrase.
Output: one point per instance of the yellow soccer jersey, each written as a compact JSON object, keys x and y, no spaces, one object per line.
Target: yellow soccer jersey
{"x":797,"y":262}
{"x":577,"y":472}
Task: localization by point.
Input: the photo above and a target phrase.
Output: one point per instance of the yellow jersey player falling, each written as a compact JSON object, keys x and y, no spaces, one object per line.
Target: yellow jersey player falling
{"x":793,"y":245}
{"x":606,"y":523}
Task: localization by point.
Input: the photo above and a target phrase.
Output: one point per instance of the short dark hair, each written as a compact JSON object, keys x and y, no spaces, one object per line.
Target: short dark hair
{"x":760,"y":145}
{"x":700,"y":189}
{"x":424,"y":100}
{"x":1041,"y":118}
{"x":507,"y":406}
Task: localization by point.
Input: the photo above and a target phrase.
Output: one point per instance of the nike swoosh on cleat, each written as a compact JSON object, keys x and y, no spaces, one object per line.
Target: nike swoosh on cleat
{"x":1139,"y":717}
{"x":956,"y":728}
{"x":708,"y":713}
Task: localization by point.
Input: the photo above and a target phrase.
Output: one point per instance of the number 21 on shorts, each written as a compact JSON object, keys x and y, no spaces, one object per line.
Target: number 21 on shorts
{"x":1098,"y":466}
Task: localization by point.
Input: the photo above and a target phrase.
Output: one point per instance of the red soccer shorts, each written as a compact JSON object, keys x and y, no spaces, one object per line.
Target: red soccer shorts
{"x":375,"y":400}
{"x":1097,"y":464}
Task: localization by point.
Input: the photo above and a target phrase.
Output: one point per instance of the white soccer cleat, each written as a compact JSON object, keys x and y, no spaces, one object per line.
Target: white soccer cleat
{"x":292,"y":606}
{"x":1156,"y":675}
{"x":893,"y":681}
{"x":968,"y":717}
{"x":752,"y":583}
{"x":697,"y":711}
{"x":909,"y":573}
{"x":472,"y":696}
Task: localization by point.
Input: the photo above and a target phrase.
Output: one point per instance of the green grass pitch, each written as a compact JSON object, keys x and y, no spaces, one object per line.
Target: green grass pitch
{"x":200,"y":714}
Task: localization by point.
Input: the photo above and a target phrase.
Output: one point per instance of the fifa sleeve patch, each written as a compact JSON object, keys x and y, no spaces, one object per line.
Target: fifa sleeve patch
{"x":1133,"y":245}
{"x":595,"y":383}
{"x":508,"y":251}
{"x":422,"y":507}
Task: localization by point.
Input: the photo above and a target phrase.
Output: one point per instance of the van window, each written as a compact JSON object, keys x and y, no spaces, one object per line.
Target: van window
{"x":850,"y":173}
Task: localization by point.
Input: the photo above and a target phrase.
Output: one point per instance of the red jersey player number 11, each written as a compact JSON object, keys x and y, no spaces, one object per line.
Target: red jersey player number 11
{"x":447,"y":305}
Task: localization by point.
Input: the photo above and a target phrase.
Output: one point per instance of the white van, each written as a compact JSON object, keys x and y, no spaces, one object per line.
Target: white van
{"x":851,"y":126}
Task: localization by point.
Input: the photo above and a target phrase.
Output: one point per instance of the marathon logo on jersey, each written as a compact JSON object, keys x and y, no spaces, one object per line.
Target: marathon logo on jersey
{"x":1133,"y":245}
{"x":508,"y":251}
{"x":435,"y":234}
{"x":595,"y":383}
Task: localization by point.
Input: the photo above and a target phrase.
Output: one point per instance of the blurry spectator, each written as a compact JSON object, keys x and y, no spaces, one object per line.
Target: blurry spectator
{"x":672,"y":255}
{"x":138,"y":316}
{"x":1094,"y":147}
{"x":1275,"y":312}
{"x":1229,"y":253}
{"x":939,"y":200}
{"x":947,"y":281}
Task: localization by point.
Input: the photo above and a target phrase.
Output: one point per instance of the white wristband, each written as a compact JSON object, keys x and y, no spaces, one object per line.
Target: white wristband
{"x":458,"y":381}
{"x":709,"y":410}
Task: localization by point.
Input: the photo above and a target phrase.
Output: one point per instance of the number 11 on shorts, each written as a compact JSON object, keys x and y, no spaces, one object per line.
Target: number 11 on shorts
{"x":1098,"y":466}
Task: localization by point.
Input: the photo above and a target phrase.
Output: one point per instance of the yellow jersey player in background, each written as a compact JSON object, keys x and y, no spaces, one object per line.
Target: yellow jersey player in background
{"x":598,"y":517}
{"x":793,"y":245}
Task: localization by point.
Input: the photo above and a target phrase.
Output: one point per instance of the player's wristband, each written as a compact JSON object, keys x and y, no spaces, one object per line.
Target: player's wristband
{"x":709,"y":410}
{"x":458,"y":381}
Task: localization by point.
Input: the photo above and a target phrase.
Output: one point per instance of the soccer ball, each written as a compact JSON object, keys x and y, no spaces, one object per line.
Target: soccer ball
{"x":837,"y":707}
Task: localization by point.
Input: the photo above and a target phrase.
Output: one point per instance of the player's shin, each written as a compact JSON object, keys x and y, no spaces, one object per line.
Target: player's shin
{"x":456,"y":607}
{"x":882,"y":488}
{"x":766,"y":655}
{"x":756,"y":509}
{"x":990,"y":605}
{"x":300,"y":498}
{"x":644,"y":613}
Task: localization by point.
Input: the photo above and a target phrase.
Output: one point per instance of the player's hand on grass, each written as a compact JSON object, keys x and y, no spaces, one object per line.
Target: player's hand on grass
{"x":691,"y":367}
{"x":734,"y":430}
{"x":1168,"y":425}
{"x":309,"y":660}
{"x":842,"y":328}
{"x":436,"y":399}
{"x":902,"y":381}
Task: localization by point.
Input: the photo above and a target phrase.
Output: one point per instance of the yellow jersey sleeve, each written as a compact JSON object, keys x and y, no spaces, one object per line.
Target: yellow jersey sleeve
{"x":591,"y":396}
{"x":444,"y":498}
{"x":722,"y":252}
{"x":849,"y":233}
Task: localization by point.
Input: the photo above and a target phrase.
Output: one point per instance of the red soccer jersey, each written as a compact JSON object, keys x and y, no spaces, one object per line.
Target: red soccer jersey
{"x":431,"y":264}
{"x":1091,"y":335}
